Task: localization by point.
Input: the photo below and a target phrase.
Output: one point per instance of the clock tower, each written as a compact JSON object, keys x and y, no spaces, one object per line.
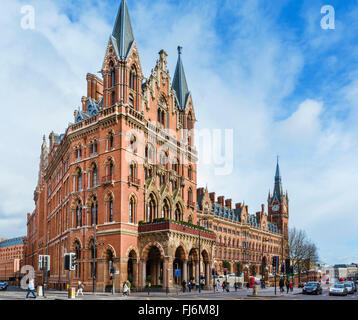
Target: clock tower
{"x":278,"y":209}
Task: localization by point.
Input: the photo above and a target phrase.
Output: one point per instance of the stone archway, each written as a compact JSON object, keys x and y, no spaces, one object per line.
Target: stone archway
{"x":132,"y":274}
{"x":152,"y":267}
{"x":205,"y":269}
{"x":193,"y":260}
{"x":179,"y":263}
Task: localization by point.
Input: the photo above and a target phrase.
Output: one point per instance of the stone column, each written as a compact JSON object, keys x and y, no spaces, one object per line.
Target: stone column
{"x":144,"y":272}
{"x":158,"y":273}
{"x":207,"y":275}
{"x":197,"y":271}
{"x":185,"y":270}
{"x":168,"y":273}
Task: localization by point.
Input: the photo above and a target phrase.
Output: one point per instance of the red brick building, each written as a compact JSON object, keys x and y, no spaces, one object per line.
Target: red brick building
{"x":122,"y":179}
{"x":11,"y":258}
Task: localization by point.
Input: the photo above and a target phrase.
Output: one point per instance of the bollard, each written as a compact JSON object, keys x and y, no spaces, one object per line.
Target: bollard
{"x":254,"y":290}
{"x":39,"y":291}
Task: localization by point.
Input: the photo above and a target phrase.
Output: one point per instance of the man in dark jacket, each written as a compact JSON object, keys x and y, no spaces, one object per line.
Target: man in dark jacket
{"x":183,"y":284}
{"x":281,"y":285}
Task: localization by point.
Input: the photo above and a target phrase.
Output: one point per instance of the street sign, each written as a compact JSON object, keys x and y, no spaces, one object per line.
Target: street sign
{"x":177,"y":272}
{"x":44,"y":262}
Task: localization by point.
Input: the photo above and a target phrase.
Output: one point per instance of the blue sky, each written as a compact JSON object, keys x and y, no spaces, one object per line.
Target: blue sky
{"x":271,"y":73}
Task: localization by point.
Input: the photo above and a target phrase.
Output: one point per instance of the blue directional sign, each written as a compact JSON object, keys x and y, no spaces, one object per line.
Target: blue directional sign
{"x":177,"y":272}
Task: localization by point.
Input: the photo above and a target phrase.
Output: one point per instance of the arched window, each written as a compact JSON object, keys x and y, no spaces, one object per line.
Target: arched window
{"x":190,"y":173}
{"x":151,"y":209}
{"x":113,"y":74}
{"x":133,"y":172}
{"x":94,"y":211}
{"x":110,"y":209}
{"x":110,"y":141}
{"x":132,"y":210}
{"x":178,"y":213}
{"x":94,"y":178}
{"x":79,"y":180}
{"x":190,"y":197}
{"x":132,"y":78}
{"x":166,"y":209}
{"x":79,"y":215}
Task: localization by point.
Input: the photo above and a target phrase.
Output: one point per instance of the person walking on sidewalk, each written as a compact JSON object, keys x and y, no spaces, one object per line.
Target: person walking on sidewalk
{"x":217,"y":285}
{"x":287,"y":285}
{"x":281,"y":285}
{"x":79,"y":288}
{"x":31,"y":289}
{"x":125,"y":289}
{"x":184,"y":285}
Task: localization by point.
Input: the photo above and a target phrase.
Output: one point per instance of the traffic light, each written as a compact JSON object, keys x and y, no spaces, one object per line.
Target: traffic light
{"x":225,"y":272}
{"x":41,"y":262}
{"x":67,"y":261}
{"x":291,"y":269}
{"x":72,"y":261}
{"x":275,"y":264}
{"x":110,"y":267}
{"x":213,"y":271}
{"x":282,"y":268}
{"x":287,"y":264}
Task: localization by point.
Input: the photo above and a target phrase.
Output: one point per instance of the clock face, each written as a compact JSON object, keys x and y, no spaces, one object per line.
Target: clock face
{"x":275,"y":207}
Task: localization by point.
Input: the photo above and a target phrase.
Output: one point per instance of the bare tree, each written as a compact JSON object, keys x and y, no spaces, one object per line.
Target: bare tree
{"x":303,"y":252}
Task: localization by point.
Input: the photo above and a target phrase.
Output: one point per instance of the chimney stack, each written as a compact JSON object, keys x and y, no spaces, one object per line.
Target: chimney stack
{"x":238,"y":205}
{"x":200,"y":191}
{"x":221,"y":200}
{"x":212,"y":197}
{"x":228,"y":203}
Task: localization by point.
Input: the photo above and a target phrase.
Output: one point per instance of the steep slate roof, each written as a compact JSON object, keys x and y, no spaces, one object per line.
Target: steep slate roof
{"x":12,"y":242}
{"x":179,"y":83}
{"x":122,"y":35}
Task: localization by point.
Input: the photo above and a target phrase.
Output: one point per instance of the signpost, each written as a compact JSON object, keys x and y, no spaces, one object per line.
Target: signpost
{"x":177,"y":274}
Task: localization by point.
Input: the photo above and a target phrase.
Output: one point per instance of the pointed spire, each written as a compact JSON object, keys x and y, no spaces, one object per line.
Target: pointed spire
{"x":122,"y":31}
{"x":179,"y":83}
{"x":277,"y":193}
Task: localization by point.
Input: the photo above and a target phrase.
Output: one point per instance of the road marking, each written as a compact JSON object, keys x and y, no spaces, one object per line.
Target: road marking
{"x":173,"y":298}
{"x":148,"y":298}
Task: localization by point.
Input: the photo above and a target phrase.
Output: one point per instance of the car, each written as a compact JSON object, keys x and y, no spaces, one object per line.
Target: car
{"x":312,"y":288}
{"x":338,"y":289}
{"x":348,"y":285}
{"x":301,"y":284}
{"x":353,"y":285}
{"x":3,"y":285}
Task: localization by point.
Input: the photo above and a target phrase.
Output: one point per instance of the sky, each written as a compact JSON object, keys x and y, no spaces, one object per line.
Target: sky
{"x":264,"y":70}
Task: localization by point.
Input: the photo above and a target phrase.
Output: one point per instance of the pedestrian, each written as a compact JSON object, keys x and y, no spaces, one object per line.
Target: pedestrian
{"x":190,"y":285}
{"x":291,"y":286}
{"x":79,"y":288}
{"x":183,"y":285}
{"x":125,"y":289}
{"x":217,"y":285}
{"x":281,"y":285}
{"x":287,"y":285}
{"x":129,"y":288}
{"x":196,"y":285}
{"x":223,"y":286}
{"x":235,"y":285}
{"x":31,"y":289}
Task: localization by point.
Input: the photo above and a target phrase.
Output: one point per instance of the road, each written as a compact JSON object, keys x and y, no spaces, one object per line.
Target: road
{"x":14,"y":293}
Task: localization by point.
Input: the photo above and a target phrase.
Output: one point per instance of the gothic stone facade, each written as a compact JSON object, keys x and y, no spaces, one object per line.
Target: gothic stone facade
{"x":118,"y":185}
